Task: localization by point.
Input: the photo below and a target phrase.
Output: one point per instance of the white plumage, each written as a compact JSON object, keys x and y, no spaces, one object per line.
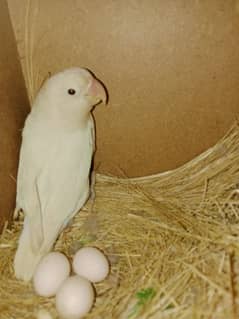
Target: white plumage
{"x":55,"y":161}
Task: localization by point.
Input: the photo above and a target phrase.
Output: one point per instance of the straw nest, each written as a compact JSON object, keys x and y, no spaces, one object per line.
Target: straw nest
{"x":172,"y":240}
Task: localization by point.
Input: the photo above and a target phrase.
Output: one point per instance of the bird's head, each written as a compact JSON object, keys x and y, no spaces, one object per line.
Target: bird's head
{"x":71,"y":94}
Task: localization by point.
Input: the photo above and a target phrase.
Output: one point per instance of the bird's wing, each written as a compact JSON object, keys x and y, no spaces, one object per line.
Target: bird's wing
{"x":61,"y":188}
{"x":32,"y":159}
{"x":30,"y":165}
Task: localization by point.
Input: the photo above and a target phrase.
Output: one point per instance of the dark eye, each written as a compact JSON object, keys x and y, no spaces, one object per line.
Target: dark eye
{"x":71,"y":91}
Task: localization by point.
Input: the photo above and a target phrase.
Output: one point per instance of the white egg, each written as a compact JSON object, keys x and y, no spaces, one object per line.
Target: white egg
{"x":75,"y":298}
{"x":50,"y":273}
{"x":91,"y":263}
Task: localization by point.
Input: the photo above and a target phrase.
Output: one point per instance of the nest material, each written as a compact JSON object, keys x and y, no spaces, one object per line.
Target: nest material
{"x":172,"y":240}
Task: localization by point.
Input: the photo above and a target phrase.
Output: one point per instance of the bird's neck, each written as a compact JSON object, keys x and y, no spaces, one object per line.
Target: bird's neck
{"x":70,"y":122}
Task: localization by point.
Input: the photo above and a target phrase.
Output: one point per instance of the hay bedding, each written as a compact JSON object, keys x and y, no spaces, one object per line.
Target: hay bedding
{"x":172,"y":240}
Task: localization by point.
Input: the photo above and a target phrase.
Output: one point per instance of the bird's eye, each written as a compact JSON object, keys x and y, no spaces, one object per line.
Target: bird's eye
{"x":71,"y":91}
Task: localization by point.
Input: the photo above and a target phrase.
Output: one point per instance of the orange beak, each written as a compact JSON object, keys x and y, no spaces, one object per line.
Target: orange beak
{"x":98,"y":91}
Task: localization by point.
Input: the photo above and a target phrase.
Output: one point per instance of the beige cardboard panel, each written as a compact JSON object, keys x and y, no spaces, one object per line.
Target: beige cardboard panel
{"x":13,"y":110}
{"x":171,"y":69}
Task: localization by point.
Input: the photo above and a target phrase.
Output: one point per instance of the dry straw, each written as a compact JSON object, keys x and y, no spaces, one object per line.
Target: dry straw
{"x":172,"y":240}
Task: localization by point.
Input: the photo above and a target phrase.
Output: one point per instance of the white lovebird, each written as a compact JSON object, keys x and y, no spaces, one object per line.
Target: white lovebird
{"x":55,"y":161}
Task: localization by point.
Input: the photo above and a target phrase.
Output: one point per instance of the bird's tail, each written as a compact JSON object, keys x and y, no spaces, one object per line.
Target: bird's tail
{"x":28,"y":255}
{"x":26,"y":260}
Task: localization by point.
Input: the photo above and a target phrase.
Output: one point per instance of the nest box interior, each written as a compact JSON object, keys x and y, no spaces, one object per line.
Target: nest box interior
{"x":171,"y":69}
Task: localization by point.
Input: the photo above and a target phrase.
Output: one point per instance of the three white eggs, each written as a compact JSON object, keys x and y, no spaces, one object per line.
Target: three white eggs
{"x":75,"y":295}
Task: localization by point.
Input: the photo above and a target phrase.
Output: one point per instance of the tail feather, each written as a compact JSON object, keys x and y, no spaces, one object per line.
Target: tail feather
{"x":27,"y":258}
{"x":25,"y":261}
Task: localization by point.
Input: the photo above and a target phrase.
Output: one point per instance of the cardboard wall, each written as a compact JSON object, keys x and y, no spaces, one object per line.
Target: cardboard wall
{"x":13,"y":110}
{"x":171,"y":69}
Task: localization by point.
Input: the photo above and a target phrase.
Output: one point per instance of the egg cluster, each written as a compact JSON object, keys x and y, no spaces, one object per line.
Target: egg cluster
{"x":74,"y":294}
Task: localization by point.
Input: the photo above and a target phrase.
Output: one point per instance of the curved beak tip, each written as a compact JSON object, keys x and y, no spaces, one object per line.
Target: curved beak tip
{"x":99,"y":91}
{"x":105,"y":97}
